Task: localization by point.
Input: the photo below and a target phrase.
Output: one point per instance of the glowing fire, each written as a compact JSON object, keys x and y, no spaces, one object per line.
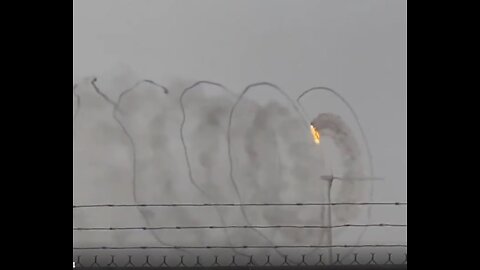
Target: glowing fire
{"x":315,"y":134}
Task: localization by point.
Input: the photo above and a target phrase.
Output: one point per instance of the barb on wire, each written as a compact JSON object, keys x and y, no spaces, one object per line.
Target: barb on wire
{"x":237,"y":227}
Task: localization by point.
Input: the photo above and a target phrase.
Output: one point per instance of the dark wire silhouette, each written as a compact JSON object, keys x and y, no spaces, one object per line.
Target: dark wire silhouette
{"x":247,"y":246}
{"x":241,"y":204}
{"x":182,"y":124}
{"x":187,"y":158}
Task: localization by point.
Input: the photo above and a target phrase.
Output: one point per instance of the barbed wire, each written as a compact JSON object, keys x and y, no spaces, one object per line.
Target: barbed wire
{"x":166,"y":261}
{"x":244,"y":247}
{"x":237,"y":227}
{"x":239,"y":204}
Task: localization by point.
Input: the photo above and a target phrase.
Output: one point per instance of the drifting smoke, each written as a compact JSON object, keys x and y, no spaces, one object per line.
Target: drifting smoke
{"x":204,"y":144}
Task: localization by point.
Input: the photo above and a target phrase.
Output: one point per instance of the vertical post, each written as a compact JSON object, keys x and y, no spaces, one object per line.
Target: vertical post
{"x":329,"y":221}
{"x":329,"y":180}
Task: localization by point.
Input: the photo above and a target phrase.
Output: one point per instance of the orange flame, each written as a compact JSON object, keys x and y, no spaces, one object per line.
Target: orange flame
{"x":315,"y":134}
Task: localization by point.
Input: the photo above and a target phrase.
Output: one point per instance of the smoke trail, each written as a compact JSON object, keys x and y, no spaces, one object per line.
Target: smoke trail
{"x":357,"y":120}
{"x":132,"y":145}
{"x":96,"y":134}
{"x":288,"y":145}
{"x":187,"y":159}
{"x":230,"y":124}
{"x":232,"y":178}
{"x":364,"y":138}
{"x":333,"y":126}
{"x":182,"y":107}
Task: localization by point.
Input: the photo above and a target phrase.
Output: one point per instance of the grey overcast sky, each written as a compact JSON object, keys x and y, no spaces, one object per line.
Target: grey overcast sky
{"x":356,"y":47}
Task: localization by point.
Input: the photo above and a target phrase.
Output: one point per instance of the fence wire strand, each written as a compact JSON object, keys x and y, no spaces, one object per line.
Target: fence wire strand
{"x":238,"y":204}
{"x":237,"y":227}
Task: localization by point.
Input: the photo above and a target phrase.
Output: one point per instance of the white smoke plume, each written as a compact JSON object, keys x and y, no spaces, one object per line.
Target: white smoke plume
{"x":141,"y":143}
